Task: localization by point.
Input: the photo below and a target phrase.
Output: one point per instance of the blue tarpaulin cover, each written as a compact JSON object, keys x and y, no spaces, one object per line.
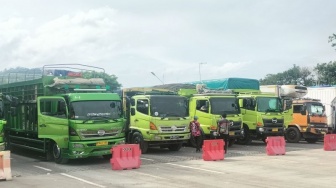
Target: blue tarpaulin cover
{"x":230,"y":83}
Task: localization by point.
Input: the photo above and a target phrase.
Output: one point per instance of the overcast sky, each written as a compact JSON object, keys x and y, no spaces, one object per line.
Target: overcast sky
{"x":131,"y":39}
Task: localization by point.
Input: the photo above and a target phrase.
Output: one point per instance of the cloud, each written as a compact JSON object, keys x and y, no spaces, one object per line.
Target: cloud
{"x":131,"y":40}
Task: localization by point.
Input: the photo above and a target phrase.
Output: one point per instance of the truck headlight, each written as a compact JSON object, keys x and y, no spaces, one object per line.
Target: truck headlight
{"x":261,"y":129}
{"x":76,"y":145}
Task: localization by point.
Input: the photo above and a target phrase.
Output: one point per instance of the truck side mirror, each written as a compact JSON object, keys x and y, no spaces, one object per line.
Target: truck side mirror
{"x":132,"y":111}
{"x":303,"y":110}
{"x":132,"y":102}
{"x":253,"y":103}
{"x":244,"y":102}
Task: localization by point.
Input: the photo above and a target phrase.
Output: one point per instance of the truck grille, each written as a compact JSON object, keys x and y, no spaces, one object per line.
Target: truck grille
{"x":273,"y":122}
{"x":236,"y":125}
{"x":99,"y":134}
{"x":171,"y":129}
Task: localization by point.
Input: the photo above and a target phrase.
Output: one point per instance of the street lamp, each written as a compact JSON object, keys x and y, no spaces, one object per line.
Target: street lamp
{"x":199,"y":70}
{"x":157,"y":78}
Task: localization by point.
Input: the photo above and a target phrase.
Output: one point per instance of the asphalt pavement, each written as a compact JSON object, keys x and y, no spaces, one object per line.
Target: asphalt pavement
{"x":303,"y":165}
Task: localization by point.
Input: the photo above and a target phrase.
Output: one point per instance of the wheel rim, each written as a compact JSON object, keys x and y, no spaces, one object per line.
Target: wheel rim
{"x":292,"y":134}
{"x":56,"y":151}
{"x":137,"y":140}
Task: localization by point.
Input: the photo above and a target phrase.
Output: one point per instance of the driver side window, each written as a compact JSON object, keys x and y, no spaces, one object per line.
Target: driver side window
{"x":142,"y":106}
{"x":203,"y":105}
{"x":53,"y":107}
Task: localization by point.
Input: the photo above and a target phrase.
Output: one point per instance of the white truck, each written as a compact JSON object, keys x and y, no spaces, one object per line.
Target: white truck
{"x":326,"y":95}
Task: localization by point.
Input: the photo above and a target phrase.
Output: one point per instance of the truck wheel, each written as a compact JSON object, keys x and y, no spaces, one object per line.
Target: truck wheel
{"x":175,"y":147}
{"x":138,"y":139}
{"x":231,"y":142}
{"x":293,"y":135}
{"x":311,"y":140}
{"x":57,"y":154}
{"x":107,"y":157}
{"x":246,"y":140}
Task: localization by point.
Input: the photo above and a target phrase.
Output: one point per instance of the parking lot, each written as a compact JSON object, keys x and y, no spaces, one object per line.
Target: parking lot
{"x":304,"y":165}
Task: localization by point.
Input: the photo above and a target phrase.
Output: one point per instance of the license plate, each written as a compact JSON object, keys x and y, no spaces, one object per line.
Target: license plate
{"x":231,"y":133}
{"x":102,"y":143}
{"x":274,"y":129}
{"x":174,"y":137}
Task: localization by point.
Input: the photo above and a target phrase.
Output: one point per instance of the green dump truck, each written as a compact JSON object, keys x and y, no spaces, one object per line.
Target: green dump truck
{"x":209,"y":105}
{"x":61,"y":114}
{"x":2,"y":123}
{"x":263,"y":114}
{"x":156,"y":117}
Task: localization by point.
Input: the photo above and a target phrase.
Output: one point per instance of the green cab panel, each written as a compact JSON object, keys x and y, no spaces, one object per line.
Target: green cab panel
{"x":50,"y":125}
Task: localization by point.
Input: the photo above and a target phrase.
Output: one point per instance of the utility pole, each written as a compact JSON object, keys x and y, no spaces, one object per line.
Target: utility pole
{"x":199,"y":70}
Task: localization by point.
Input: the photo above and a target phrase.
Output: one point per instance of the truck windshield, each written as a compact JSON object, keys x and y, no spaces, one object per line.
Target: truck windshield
{"x":315,"y":109}
{"x":269,"y":104}
{"x":224,"y":105}
{"x":95,"y":110}
{"x":169,"y":106}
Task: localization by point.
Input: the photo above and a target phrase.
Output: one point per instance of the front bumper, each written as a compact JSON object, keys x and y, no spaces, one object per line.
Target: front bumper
{"x":159,"y":137}
{"x":270,"y":131}
{"x":91,"y":148}
{"x":232,"y":134}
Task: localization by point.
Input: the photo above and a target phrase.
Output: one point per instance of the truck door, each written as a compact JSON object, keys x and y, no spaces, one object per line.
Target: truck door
{"x":141,"y":118}
{"x":53,"y":120}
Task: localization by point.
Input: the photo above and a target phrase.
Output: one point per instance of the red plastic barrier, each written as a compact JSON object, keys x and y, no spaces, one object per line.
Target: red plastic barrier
{"x":276,"y":145}
{"x":5,"y":166}
{"x":125,"y":156}
{"x":213,"y":150}
{"x":329,"y":142}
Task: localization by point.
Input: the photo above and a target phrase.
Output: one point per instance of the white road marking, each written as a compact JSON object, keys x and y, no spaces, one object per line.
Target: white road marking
{"x":182,"y":166}
{"x":147,"y":159}
{"x":153,"y":176}
{"x":82,"y":180}
{"x":40,"y":167}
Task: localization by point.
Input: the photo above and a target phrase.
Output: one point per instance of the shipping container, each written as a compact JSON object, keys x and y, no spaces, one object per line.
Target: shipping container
{"x":326,"y":96}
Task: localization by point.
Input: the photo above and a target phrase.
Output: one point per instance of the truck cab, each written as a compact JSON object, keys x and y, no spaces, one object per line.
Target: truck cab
{"x":309,"y":121}
{"x":209,"y":108}
{"x":156,"y":119}
{"x":263,"y":116}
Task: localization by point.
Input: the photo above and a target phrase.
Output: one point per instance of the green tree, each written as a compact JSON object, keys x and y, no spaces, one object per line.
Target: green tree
{"x":332,"y":40}
{"x":110,"y":80}
{"x":294,"y":75}
{"x":326,"y":73}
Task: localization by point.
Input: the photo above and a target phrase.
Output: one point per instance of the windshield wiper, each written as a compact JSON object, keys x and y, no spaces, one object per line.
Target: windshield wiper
{"x":106,"y":118}
{"x":172,"y":114}
{"x":89,"y":118}
{"x":271,"y":110}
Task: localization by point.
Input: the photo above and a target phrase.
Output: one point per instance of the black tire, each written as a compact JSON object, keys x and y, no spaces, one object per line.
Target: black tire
{"x":138,"y":139}
{"x":175,"y":147}
{"x":56,"y":153}
{"x":311,"y":140}
{"x":293,"y":135}
{"x":231,"y":142}
{"x":107,"y":157}
{"x":246,"y":140}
